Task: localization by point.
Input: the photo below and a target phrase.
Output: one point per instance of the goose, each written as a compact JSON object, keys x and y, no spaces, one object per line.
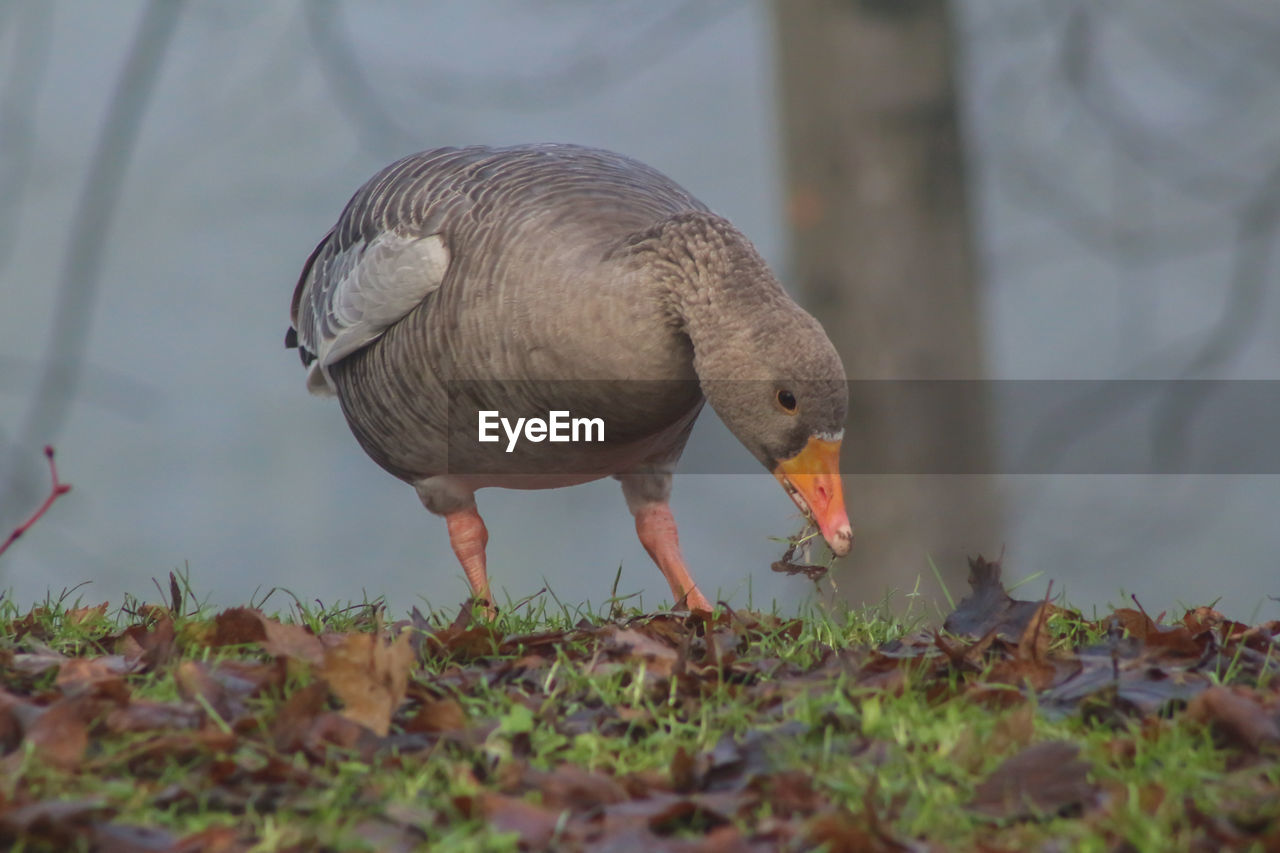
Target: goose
{"x":460,"y":284}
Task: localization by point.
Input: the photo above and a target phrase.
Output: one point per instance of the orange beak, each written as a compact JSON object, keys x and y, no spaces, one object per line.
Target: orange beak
{"x":812,"y":478}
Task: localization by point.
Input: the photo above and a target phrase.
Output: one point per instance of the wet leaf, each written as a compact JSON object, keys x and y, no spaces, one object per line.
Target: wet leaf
{"x":989,"y":608}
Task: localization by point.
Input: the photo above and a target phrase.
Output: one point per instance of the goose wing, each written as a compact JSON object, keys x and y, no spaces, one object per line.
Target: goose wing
{"x":395,"y":242}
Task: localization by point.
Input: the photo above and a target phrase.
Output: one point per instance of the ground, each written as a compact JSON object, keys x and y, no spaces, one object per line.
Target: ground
{"x":1014,"y":725}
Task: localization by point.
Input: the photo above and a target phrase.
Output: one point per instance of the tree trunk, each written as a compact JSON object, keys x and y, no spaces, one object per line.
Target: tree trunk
{"x":880,"y":252}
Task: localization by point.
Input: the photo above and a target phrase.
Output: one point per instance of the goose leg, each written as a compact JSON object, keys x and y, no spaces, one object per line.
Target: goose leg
{"x":469,"y":536}
{"x":657,"y":530}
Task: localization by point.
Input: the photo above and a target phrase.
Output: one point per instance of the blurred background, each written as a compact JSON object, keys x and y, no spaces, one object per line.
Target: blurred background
{"x":1064,"y":200}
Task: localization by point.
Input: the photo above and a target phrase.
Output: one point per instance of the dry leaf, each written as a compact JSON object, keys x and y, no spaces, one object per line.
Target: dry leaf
{"x":369,"y":675}
{"x":1238,"y":715}
{"x":1042,"y":780}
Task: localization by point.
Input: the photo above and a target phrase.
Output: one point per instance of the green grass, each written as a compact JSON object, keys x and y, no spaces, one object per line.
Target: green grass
{"x":890,"y":748}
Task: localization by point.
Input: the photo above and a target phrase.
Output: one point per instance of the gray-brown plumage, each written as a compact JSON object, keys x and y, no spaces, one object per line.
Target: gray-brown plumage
{"x":556,"y":277}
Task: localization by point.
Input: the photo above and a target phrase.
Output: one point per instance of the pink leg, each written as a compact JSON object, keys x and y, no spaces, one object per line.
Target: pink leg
{"x":657,"y":531}
{"x":468,"y":536}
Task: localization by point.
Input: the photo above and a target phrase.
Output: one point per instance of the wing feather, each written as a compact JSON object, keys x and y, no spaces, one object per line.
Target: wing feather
{"x":391,"y":248}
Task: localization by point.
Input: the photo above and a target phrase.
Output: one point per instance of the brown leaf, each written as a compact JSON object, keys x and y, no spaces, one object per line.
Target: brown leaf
{"x":1034,"y":643}
{"x":238,"y":626}
{"x":989,"y":608}
{"x":13,"y":711}
{"x":1044,"y":779}
{"x":464,"y":644}
{"x":142,"y":715}
{"x":665,"y":814}
{"x":658,"y":657}
{"x":461,"y":640}
{"x":443,"y":715}
{"x":784,"y":566}
{"x":35,"y":663}
{"x":297,"y":714}
{"x":1238,"y":715}
{"x":789,"y":793}
{"x":388,"y":836}
{"x":1035,"y":674}
{"x":1014,"y":730}
{"x":79,"y":674}
{"x":122,"y":838}
{"x":163,"y":750}
{"x":196,"y":682}
{"x":1201,"y":619}
{"x":244,"y":626}
{"x":688,"y":813}
{"x":1175,"y":640}
{"x":58,"y":822}
{"x":534,"y":824}
{"x":841,"y":832}
{"x":369,"y":675}
{"x":216,"y":839}
{"x":59,"y":733}
{"x":81,"y":615}
{"x":149,"y":646}
{"x":330,"y":729}
{"x":292,"y":641}
{"x":573,"y":788}
{"x":684,"y":771}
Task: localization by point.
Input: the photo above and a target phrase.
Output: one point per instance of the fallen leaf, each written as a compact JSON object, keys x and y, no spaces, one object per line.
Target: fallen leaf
{"x":1239,"y":716}
{"x":142,"y":715}
{"x":369,"y":676}
{"x":989,"y":608}
{"x":1045,"y":779}
{"x":841,"y":832}
{"x":659,"y":658}
{"x":442,"y":715}
{"x":789,"y":793}
{"x":215,"y":839}
{"x":291,"y":641}
{"x":121,"y":838}
{"x":81,"y":615}
{"x":238,"y":626}
{"x":535,"y":825}
{"x":1173,"y":640}
{"x":196,"y":682}
{"x":297,"y":714}
{"x":35,"y":663}
{"x":58,"y":822}
{"x":572,"y":788}
{"x":79,"y":674}
{"x":60,"y":733}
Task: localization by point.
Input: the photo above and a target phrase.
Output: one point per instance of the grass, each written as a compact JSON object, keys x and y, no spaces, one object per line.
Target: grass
{"x":813,"y":735}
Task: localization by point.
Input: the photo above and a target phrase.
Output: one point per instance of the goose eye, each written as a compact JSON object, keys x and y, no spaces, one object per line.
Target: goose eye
{"x":787,"y":400}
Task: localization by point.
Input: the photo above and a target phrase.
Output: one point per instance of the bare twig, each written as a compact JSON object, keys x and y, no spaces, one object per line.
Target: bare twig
{"x":56,"y":490}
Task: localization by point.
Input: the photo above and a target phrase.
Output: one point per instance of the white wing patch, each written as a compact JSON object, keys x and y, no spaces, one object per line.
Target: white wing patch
{"x":372,"y":287}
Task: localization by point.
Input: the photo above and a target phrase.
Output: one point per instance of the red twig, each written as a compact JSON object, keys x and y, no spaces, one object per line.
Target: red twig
{"x":56,"y":491}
